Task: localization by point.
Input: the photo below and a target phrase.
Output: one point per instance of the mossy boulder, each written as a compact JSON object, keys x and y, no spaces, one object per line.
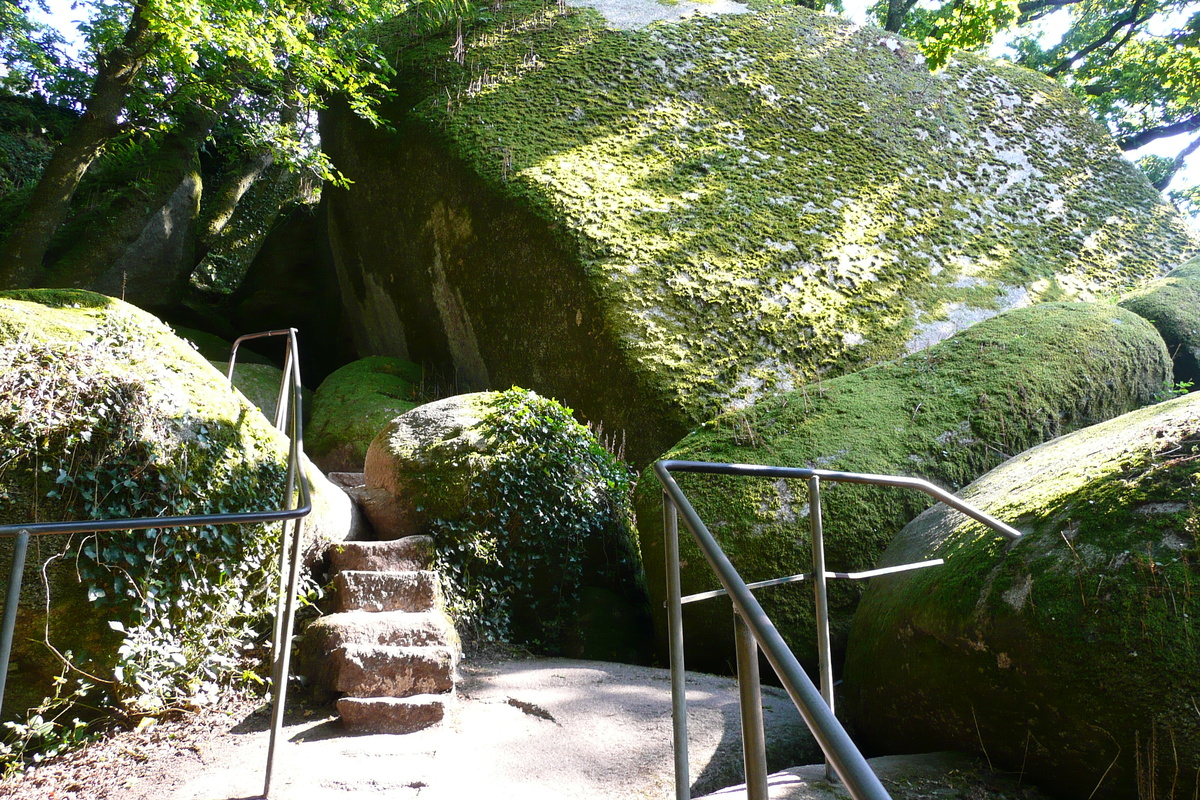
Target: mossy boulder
{"x":354,"y":404}
{"x":530,"y":517}
{"x":1068,"y":655}
{"x":657,"y":224}
{"x":947,"y":414}
{"x":106,"y":414}
{"x":1172,"y":304}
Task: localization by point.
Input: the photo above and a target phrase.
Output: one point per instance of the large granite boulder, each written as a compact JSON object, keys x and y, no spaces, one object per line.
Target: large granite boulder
{"x":530,"y":518}
{"x":947,"y":414}
{"x":1068,"y":655}
{"x":1172,"y":304}
{"x":106,"y":414}
{"x":658,"y":224}
{"x":354,"y":404}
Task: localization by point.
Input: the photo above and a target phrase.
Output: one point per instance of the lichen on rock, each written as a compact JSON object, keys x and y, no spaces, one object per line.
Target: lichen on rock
{"x":1070,"y":654}
{"x":708,"y":211}
{"x":947,"y":414}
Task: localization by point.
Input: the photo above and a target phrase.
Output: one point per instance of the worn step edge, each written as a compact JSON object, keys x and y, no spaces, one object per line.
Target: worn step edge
{"x":387,"y":671}
{"x":396,"y":628}
{"x":418,"y":590}
{"x":395,"y":715}
{"x":397,"y":555}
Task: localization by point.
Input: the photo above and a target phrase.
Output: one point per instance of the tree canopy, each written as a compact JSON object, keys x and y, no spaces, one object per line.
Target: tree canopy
{"x":1135,"y":65}
{"x":168,"y":67}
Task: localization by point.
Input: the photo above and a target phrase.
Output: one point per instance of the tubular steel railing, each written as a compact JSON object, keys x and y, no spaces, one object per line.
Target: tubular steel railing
{"x":288,"y":414}
{"x":753,"y":629}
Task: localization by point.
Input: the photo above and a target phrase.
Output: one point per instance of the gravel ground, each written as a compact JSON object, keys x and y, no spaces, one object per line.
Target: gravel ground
{"x":528,"y":729}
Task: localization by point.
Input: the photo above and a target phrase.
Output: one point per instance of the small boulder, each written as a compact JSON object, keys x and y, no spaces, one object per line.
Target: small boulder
{"x":530,"y":520}
{"x":353,"y":404}
{"x":1172,"y":305}
{"x":947,"y":414}
{"x":1070,"y":654}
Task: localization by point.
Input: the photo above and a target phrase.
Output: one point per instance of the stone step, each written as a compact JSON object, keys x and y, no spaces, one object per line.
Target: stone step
{"x":398,"y":628}
{"x":398,"y":555}
{"x":392,"y":714}
{"x":359,"y":590}
{"x":391,"y":671}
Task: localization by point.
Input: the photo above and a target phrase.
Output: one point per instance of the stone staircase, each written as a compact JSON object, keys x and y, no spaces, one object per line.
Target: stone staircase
{"x":388,"y":648}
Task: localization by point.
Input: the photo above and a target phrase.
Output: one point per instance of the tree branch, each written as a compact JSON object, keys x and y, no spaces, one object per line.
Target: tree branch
{"x":1033,"y":10}
{"x":1162,"y":183}
{"x":1130,"y":19}
{"x":1134,"y":141}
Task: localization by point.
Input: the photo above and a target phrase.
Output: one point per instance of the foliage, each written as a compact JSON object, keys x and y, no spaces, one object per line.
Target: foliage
{"x":1136,"y":66}
{"x":82,"y":437}
{"x":513,"y":562}
{"x":46,"y":731}
{"x":33,"y":57}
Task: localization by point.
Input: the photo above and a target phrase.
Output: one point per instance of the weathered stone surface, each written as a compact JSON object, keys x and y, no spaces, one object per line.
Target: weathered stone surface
{"x":947,"y":414}
{"x":417,"y":468}
{"x":391,"y":714}
{"x":387,"y":591}
{"x":397,"y":628}
{"x":391,"y":671}
{"x":194,"y":447}
{"x":656,"y":225}
{"x":399,"y":555}
{"x":1068,"y":655}
{"x":354,"y":404}
{"x":914,"y":777}
{"x":1172,"y":305}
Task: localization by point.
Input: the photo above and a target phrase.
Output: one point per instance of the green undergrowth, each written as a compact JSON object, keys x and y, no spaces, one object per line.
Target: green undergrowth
{"x":1083,"y":632}
{"x":95,"y":424}
{"x":762,"y":199}
{"x":547,"y":510}
{"x":947,"y":414}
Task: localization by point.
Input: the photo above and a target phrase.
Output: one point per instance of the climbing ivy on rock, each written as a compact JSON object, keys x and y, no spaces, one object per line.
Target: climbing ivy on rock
{"x":548,"y":504}
{"x":88,"y":431}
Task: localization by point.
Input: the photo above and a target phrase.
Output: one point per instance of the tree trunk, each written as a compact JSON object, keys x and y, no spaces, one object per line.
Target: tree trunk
{"x":896,"y":13}
{"x":22,"y":255}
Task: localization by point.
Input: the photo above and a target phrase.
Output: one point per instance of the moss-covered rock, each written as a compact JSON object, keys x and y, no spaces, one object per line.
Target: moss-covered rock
{"x":657,"y":224}
{"x":947,"y":414}
{"x":1070,"y":654}
{"x":106,"y":414}
{"x":354,"y":404}
{"x":1172,"y":304}
{"x":530,"y":516}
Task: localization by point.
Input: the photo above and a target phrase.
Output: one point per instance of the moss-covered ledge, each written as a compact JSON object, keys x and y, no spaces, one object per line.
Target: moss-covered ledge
{"x":947,"y":414}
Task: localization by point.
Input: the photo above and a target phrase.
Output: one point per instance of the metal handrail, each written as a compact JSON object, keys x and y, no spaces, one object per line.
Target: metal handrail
{"x":754,"y":630}
{"x":288,"y":412}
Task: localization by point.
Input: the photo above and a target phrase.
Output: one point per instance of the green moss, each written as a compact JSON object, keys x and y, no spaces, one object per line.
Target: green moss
{"x":1172,"y":305}
{"x":947,"y":414}
{"x":1070,"y":653}
{"x":761,"y":199}
{"x":354,"y":404}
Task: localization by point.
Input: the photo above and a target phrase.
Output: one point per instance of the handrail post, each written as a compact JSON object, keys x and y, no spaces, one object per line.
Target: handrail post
{"x":824,"y":649}
{"x":754,"y":740}
{"x":11,"y":600}
{"x":675,"y":634}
